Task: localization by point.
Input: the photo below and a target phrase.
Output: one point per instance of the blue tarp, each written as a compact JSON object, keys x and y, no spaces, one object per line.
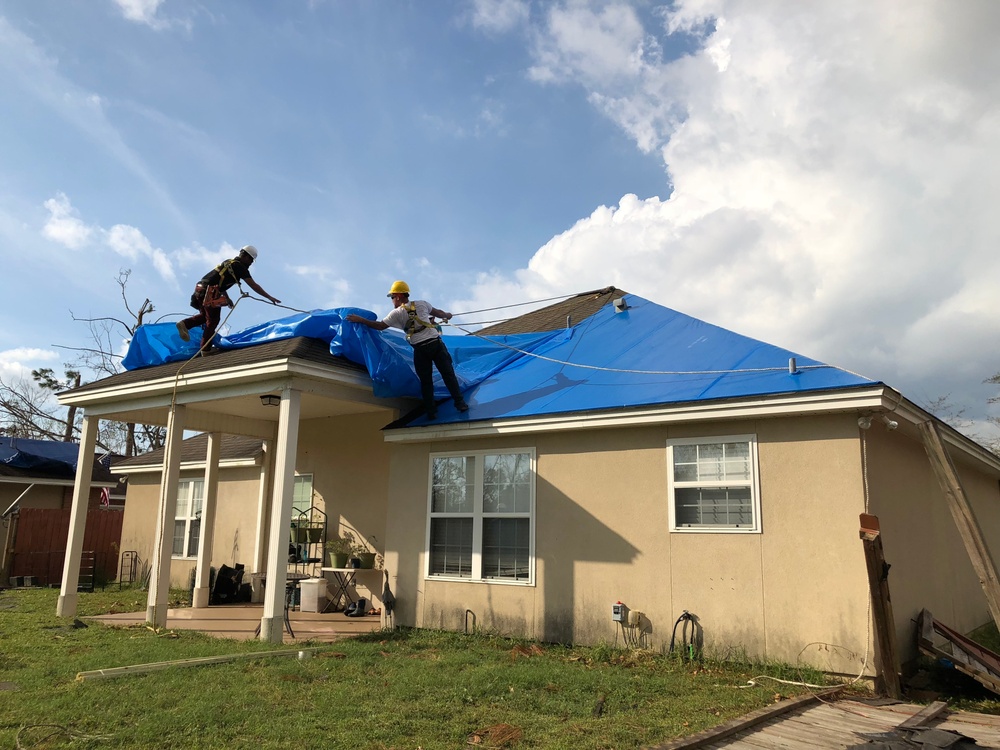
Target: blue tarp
{"x":38,"y":455}
{"x":642,"y":356}
{"x":386,"y":355}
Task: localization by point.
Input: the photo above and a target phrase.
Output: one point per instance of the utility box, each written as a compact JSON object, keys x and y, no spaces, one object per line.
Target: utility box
{"x":313,"y":597}
{"x":619,"y":612}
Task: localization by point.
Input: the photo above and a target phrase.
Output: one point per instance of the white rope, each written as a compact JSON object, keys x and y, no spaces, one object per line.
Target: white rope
{"x":635,"y":372}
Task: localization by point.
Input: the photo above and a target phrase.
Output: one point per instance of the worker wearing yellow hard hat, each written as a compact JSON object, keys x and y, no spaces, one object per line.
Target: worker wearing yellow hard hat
{"x":416,"y":320}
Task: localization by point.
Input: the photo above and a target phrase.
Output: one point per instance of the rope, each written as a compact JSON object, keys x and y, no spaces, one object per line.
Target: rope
{"x":521,"y":304}
{"x":631,"y":371}
{"x":268,"y":302}
{"x":173,"y":403}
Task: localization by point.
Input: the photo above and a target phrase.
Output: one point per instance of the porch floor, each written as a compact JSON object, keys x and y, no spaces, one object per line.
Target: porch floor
{"x":239,"y":621}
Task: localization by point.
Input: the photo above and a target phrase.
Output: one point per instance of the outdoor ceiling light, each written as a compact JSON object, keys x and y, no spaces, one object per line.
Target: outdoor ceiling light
{"x":269,"y":399}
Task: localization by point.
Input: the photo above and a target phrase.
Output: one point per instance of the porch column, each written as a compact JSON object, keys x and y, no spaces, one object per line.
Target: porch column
{"x":159,"y":577}
{"x":66,"y":604}
{"x":263,"y":507}
{"x":207,"y":526}
{"x":272,"y":622}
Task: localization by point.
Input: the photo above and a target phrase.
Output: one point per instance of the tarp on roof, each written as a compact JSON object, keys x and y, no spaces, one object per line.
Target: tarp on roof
{"x":44,"y":456}
{"x":386,"y":355}
{"x":644,"y":355}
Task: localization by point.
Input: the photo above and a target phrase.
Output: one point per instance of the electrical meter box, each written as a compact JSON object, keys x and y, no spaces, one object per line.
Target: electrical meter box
{"x":619,"y":612}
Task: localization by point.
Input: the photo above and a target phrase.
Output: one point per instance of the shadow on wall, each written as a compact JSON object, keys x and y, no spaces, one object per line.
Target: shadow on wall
{"x":565,"y":535}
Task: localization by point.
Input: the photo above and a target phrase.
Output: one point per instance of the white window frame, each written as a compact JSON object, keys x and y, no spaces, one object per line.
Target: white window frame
{"x":298,"y":481}
{"x":753,"y":483}
{"x":478,"y":517}
{"x":185,"y":488}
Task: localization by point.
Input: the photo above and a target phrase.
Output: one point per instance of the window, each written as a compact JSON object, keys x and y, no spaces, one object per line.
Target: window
{"x":302,"y":495}
{"x":712,"y":484}
{"x":482,"y":516}
{"x":187,"y":519}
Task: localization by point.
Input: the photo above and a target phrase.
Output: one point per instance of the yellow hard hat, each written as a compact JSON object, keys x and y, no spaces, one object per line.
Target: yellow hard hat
{"x":398,"y":287}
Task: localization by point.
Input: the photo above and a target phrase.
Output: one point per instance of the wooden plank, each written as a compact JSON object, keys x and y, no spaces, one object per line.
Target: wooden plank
{"x":887,"y":661}
{"x":161,"y":665}
{"x":963,"y":515}
{"x":925,"y":715}
{"x":706,"y":737}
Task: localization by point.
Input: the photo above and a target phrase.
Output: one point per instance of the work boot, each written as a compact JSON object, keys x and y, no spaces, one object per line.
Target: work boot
{"x":461,"y":406}
{"x":182,"y":331}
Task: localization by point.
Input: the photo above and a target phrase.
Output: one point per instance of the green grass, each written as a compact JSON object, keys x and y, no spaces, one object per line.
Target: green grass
{"x":404,"y":689}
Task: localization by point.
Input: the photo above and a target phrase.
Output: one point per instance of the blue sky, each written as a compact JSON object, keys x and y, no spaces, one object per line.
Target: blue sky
{"x":788,"y":170}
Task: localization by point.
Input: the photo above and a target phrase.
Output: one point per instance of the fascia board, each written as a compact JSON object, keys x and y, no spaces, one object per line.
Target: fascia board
{"x":869,"y":398}
{"x":241,"y":380}
{"x":54,"y":482}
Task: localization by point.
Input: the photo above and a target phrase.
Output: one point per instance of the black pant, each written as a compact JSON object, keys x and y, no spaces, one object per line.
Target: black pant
{"x":435,"y":353}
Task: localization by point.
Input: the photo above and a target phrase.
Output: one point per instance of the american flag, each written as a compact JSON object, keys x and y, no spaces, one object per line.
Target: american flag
{"x":105,"y":497}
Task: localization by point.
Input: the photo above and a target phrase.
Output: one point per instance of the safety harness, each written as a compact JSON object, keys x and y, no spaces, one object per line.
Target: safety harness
{"x":415,"y":324}
{"x":211,"y":290}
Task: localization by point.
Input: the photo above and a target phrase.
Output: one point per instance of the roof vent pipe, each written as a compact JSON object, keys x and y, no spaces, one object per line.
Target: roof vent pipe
{"x":569,"y":321}
{"x":791,"y":366}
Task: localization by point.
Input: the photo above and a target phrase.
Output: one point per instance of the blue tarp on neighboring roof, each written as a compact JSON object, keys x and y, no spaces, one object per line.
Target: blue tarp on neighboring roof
{"x":38,"y":455}
{"x":645,"y":355}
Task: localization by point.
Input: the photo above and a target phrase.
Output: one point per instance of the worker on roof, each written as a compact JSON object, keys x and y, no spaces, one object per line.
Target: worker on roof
{"x":416,"y":319}
{"x":210,"y":295}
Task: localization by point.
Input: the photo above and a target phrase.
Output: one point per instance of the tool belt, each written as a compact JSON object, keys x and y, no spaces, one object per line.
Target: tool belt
{"x":209,"y":295}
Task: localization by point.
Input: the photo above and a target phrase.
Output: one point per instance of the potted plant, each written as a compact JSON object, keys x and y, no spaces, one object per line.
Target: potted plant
{"x":365,"y":556}
{"x":339,"y":549}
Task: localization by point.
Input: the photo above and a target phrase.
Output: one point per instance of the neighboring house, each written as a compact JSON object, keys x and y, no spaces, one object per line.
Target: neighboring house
{"x":631,"y":455}
{"x":36,"y":492}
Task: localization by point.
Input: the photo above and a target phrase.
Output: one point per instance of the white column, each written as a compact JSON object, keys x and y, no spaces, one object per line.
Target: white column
{"x":203,"y":579}
{"x":159,"y":577}
{"x":66,"y":605}
{"x":263,"y":507}
{"x":272,"y":623}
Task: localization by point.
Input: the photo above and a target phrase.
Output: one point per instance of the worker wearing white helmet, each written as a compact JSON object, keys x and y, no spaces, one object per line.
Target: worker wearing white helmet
{"x":210,"y":295}
{"x":416,"y":319}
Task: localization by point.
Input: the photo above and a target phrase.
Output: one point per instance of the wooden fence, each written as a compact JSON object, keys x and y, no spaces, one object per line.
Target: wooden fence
{"x":40,"y":544}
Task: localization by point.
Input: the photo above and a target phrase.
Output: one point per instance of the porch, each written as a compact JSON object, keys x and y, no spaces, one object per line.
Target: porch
{"x":240,"y":621}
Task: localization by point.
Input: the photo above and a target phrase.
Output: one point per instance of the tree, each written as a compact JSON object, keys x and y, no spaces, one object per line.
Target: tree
{"x":30,"y":410}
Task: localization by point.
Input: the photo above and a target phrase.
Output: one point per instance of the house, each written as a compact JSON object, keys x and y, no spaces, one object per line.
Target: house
{"x":618,"y":457}
{"x":36,"y":492}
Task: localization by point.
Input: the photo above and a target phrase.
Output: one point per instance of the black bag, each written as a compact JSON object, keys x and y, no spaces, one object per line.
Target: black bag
{"x":227,"y":585}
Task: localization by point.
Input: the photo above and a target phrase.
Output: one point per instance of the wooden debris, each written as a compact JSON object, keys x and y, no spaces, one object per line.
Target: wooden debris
{"x":969,"y":657}
{"x":161,"y":665}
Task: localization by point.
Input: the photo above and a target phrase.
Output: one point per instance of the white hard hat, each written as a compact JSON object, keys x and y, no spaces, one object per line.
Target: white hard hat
{"x":249,"y":250}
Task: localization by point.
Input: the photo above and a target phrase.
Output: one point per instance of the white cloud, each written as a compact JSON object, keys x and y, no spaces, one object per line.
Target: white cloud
{"x":63,"y":225}
{"x":141,"y":11}
{"x":834,"y":183}
{"x":17,"y":364}
{"x":130,"y":243}
{"x":498,"y":16}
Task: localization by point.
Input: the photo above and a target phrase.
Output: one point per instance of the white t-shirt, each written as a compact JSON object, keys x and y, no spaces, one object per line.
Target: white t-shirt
{"x":416,"y":333}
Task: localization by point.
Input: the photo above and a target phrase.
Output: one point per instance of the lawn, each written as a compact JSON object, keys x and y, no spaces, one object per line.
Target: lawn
{"x":404,"y":690}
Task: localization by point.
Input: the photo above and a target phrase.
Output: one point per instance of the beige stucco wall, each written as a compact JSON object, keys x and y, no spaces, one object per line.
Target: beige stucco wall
{"x":349,"y":463}
{"x":602,"y":535}
{"x":930,"y":566}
